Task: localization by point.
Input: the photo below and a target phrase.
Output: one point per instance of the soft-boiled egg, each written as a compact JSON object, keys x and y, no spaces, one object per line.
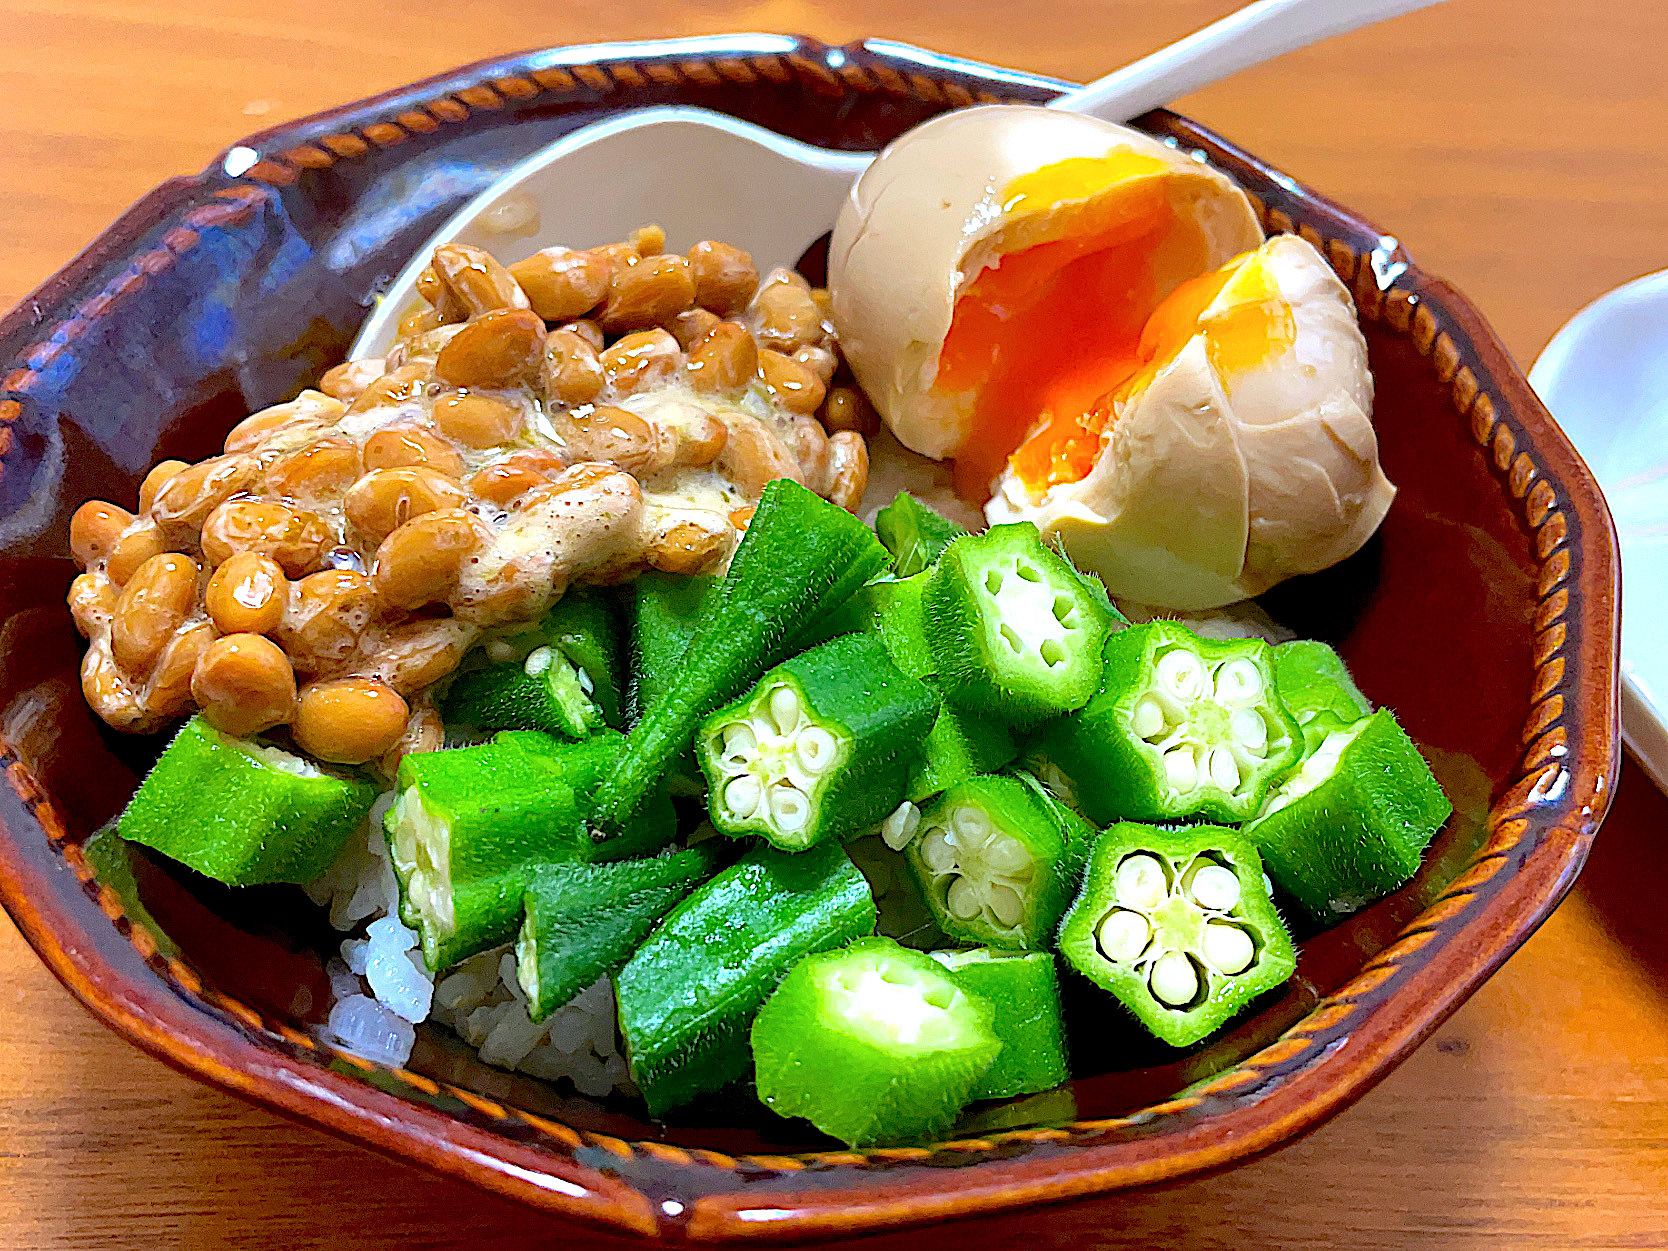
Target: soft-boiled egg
{"x":997,"y":264}
{"x":1240,"y":450}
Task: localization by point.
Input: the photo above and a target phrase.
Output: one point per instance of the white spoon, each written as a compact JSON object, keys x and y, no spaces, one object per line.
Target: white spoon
{"x":705,"y":175}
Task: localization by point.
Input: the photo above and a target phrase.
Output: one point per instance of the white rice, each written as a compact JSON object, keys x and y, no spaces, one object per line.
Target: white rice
{"x":383,"y":991}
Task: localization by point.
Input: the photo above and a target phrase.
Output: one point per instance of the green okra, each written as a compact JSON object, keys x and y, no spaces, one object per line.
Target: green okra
{"x":561,"y":676}
{"x":1015,"y":632}
{"x":915,"y":534}
{"x":1312,"y":680}
{"x":996,"y":863}
{"x":1352,"y":823}
{"x":583,"y":921}
{"x":664,"y":609}
{"x":583,"y":766}
{"x":801,"y":559}
{"x":465,"y":831}
{"x":1024,"y":996}
{"x":1180,"y":727}
{"x":959,"y":744}
{"x":688,"y":995}
{"x":821,"y":748}
{"x":1178,"y":925}
{"x":873,"y":1044}
{"x":241,"y":812}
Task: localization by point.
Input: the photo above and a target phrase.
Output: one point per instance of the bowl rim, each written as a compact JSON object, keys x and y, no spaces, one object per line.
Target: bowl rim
{"x":1541,"y":827}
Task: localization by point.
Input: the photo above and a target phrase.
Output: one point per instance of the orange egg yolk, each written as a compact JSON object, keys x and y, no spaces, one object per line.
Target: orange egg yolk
{"x":1057,"y":336}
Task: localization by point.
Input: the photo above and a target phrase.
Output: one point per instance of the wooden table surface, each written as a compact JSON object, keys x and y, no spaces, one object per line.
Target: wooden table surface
{"x":1517,"y":147}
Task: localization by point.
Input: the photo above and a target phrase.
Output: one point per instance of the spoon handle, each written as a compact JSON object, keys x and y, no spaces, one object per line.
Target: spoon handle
{"x":1257,"y":33}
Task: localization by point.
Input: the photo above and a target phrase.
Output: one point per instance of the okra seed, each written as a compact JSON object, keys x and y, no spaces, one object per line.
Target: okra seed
{"x":963,"y":899}
{"x":1006,"y":905}
{"x":1214,"y":887}
{"x":538,"y":661}
{"x":1140,"y":882}
{"x":1181,"y":770}
{"x":741,"y":744}
{"x":897,"y":830}
{"x":743,"y":794}
{"x":788,"y":806}
{"x":1006,"y":855}
{"x":1124,"y":935}
{"x":1228,"y":948}
{"x":1224,"y":770}
{"x":1181,"y":673}
{"x":970,"y":822}
{"x":816,"y":748}
{"x":1238,"y":681}
{"x":784,"y":709}
{"x":1249,"y":728}
{"x":1173,"y":980}
{"x":938,"y":852}
{"x":1148,"y":718}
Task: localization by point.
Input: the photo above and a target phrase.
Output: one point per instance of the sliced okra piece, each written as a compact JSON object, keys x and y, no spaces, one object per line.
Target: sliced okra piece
{"x":801,"y":559}
{"x":821,"y":748}
{"x":1181,"y":726}
{"x":1015,"y":633}
{"x":583,"y":921}
{"x":1024,"y":995}
{"x":1178,"y":925}
{"x":959,"y":744}
{"x":583,"y":766}
{"x":872,"y":1044}
{"x":995,"y":864}
{"x":915,"y":534}
{"x":664,"y":609}
{"x":1351,"y":824}
{"x":688,"y":995}
{"x":1313,"y":680}
{"x":241,"y":812}
{"x":561,"y":676}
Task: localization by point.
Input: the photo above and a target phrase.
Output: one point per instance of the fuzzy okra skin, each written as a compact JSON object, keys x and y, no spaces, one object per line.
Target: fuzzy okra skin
{"x":688,"y":995}
{"x":664,"y":609}
{"x":1015,"y":632}
{"x":1312,"y":680}
{"x":561,"y":676}
{"x":801,"y":559}
{"x":1178,"y":925}
{"x":464,"y":832}
{"x":996,"y":864}
{"x":1024,"y":996}
{"x":915,"y":534}
{"x":583,"y":921}
{"x":959,"y":744}
{"x":820,"y":749}
{"x":1181,"y":727}
{"x":873,"y":1044}
{"x":583,"y":766}
{"x":241,"y":812}
{"x":1352,"y":823}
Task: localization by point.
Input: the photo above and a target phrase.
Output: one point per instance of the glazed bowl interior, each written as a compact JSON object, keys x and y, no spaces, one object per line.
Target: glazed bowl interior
{"x":1483,"y":613}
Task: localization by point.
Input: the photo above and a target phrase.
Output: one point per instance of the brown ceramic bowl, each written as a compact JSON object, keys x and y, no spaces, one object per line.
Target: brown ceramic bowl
{"x":1485,"y":614}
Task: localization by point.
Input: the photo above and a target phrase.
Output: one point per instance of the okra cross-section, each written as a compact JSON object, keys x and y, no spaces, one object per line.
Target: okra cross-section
{"x":996,"y":864}
{"x":1178,"y":925}
{"x":872,"y":1044}
{"x":1014,"y":629}
{"x":1352,"y":823}
{"x":821,"y":748}
{"x":801,"y":559}
{"x":242,"y":812}
{"x":1181,"y":727}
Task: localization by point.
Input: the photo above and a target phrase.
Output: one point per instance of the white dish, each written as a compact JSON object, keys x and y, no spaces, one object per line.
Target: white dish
{"x":1605,"y":378}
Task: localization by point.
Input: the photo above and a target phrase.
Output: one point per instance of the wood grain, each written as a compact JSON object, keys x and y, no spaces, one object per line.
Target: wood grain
{"x":1517,"y":147}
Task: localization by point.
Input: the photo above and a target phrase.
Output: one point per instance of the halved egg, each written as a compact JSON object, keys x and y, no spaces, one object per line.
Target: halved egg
{"x":997,"y":265}
{"x":1237,"y":452}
